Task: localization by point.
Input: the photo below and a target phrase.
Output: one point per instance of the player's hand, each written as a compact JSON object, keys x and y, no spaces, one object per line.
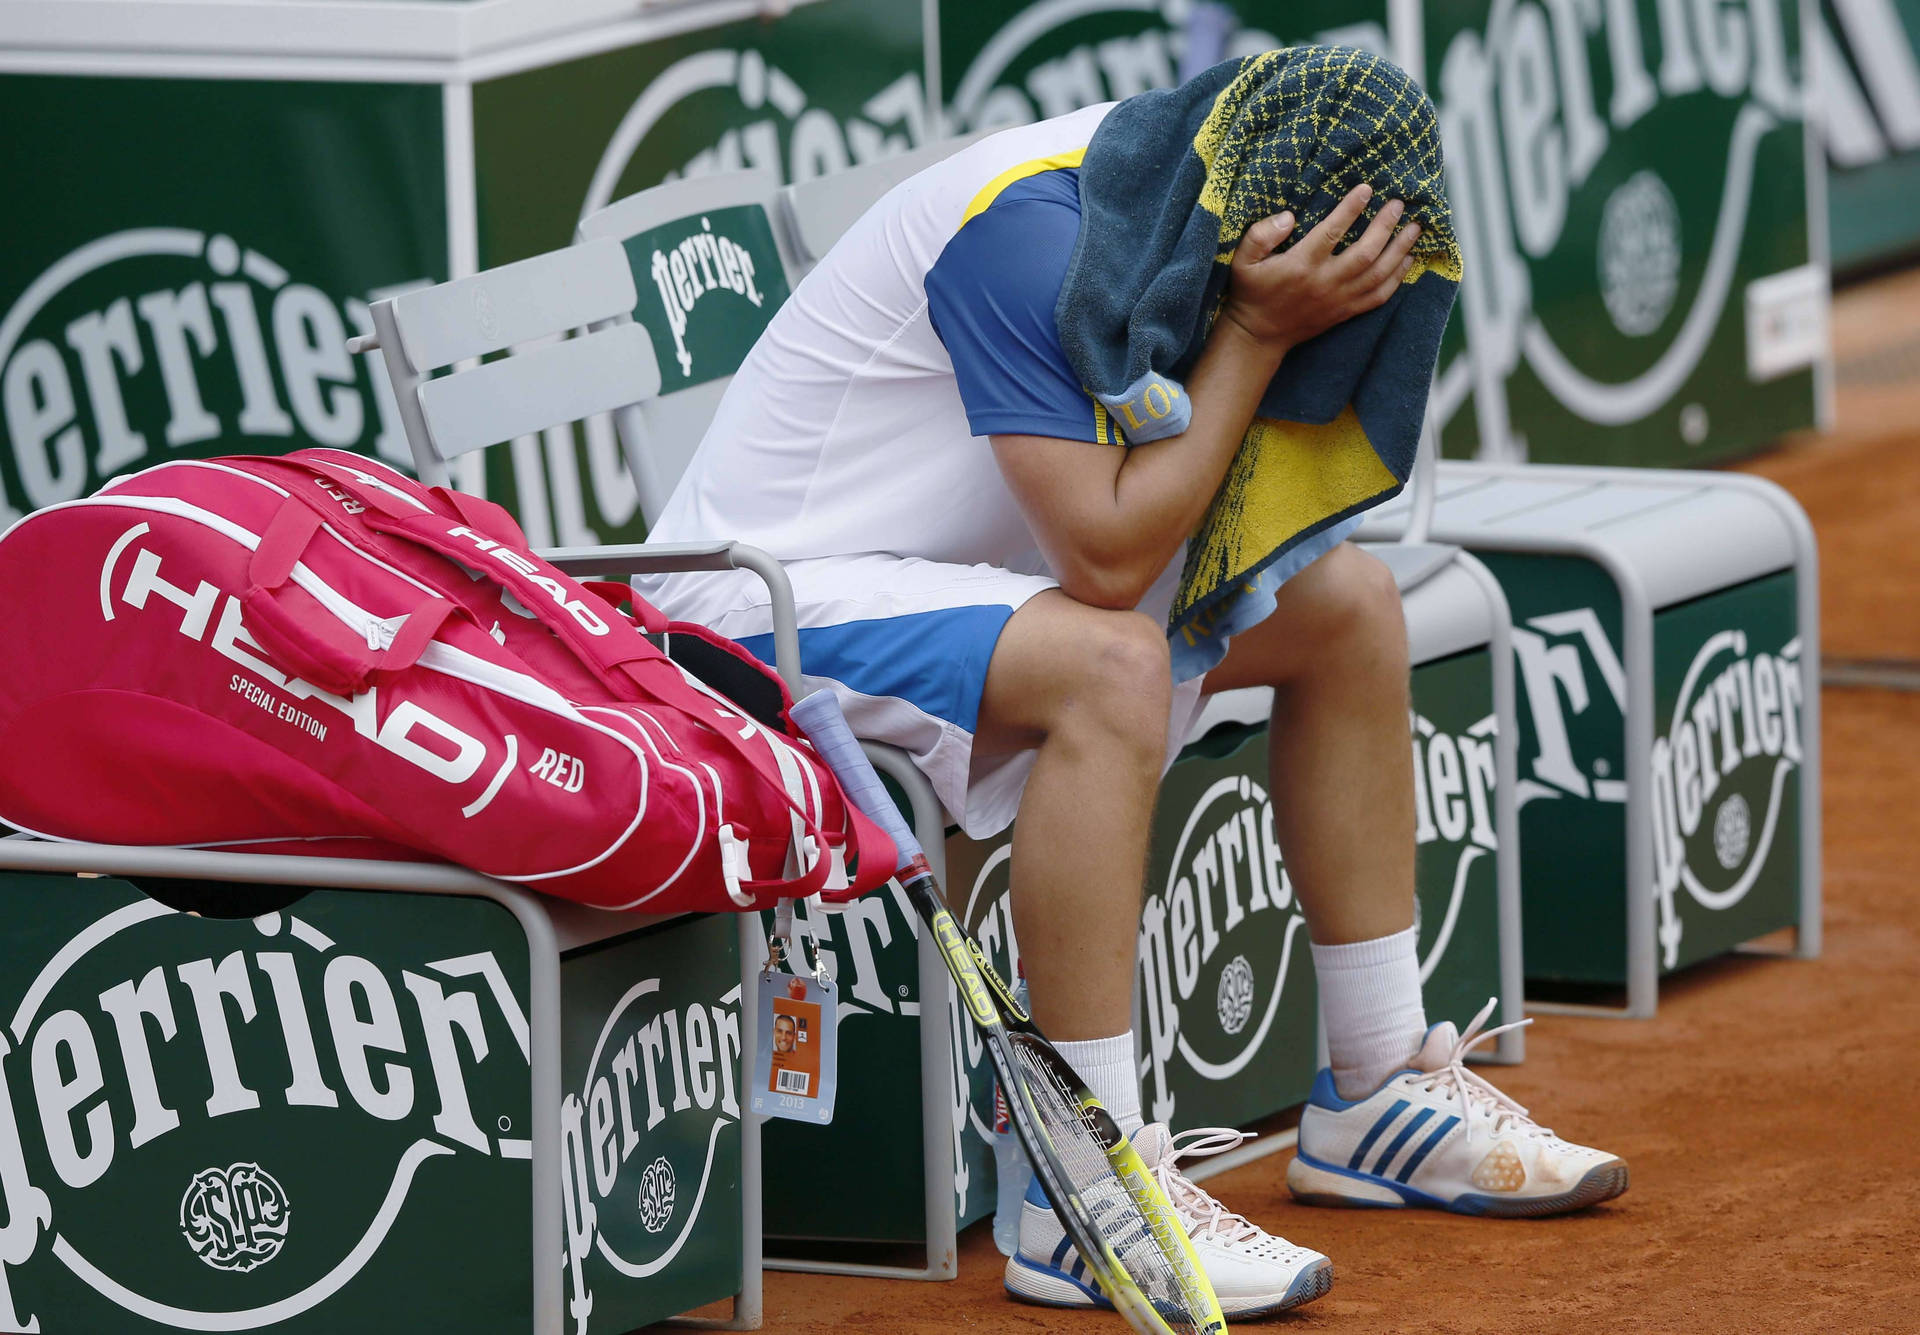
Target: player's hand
{"x":1283,"y":299}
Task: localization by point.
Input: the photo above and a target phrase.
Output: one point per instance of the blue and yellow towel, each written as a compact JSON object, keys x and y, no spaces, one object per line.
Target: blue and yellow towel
{"x":1170,"y":181}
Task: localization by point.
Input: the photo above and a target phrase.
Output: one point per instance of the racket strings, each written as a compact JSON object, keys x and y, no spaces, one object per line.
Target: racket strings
{"x":1117,"y":1217}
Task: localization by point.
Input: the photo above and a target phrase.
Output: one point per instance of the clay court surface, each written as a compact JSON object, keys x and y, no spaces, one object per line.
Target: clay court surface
{"x":1771,"y":1113}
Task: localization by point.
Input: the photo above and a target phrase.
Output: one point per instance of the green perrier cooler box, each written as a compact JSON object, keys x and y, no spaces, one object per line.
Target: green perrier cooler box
{"x":209,"y":193}
{"x":314,"y":1120}
{"x":1666,"y":648}
{"x":320,"y":1119}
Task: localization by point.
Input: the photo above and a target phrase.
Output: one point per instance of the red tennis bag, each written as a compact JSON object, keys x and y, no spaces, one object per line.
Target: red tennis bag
{"x":316,"y":654}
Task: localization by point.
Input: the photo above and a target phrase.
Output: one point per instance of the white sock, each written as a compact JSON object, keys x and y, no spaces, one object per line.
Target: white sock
{"x":1370,"y":996}
{"x":1107,"y":1065}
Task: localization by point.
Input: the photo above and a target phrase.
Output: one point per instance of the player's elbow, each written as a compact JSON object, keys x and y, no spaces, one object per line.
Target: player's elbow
{"x":1116,"y":586}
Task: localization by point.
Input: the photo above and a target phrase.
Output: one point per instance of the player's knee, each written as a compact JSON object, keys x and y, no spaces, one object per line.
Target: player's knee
{"x":1123,"y":679}
{"x":1364,"y":603}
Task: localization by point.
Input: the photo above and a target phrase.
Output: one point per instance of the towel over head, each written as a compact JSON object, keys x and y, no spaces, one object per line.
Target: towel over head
{"x":1169,"y":183}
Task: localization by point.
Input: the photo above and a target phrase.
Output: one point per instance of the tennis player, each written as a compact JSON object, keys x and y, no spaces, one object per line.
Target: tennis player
{"x":983,"y":578}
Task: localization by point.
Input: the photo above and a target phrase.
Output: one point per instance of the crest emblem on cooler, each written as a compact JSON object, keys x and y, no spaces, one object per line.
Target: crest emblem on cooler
{"x":656,"y":1195}
{"x":1233,"y":999}
{"x":235,"y":1218}
{"x":1732,"y":828}
{"x":1639,"y":254}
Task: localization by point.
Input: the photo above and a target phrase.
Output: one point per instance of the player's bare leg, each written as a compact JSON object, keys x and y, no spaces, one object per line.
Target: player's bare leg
{"x":1335,"y":653}
{"x":1089,"y":690}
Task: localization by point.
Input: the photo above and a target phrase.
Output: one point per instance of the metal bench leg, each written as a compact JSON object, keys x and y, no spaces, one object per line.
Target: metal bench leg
{"x":936,"y":1033}
{"x":1512,"y":1045}
{"x":936,"y":1053}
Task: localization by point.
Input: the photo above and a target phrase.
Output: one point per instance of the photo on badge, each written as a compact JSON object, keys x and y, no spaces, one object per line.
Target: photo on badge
{"x":796,"y":1048}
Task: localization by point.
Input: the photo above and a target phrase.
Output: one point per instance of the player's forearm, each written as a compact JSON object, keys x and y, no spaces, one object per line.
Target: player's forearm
{"x":1162,"y":489}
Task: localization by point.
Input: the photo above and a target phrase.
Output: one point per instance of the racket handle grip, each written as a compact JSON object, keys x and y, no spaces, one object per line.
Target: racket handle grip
{"x":820,"y":718}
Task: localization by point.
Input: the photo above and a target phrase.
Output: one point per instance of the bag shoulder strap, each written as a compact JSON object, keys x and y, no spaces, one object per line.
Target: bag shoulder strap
{"x":607,"y":643}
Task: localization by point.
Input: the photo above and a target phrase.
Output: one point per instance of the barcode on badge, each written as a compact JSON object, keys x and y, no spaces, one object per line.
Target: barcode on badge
{"x":793,"y":1082}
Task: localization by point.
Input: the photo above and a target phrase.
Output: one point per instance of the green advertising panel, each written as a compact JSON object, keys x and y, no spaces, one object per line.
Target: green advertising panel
{"x":1456,"y":873}
{"x":318,"y":1119}
{"x":650,"y":1123}
{"x":1869,"y":57}
{"x":1227,"y":1003}
{"x":185,"y":261}
{"x":1628,"y":180}
{"x":726,"y":253}
{"x":1010,"y":62}
{"x":869,"y":948}
{"x":1571,"y":686}
{"x":1630,"y":185}
{"x":1726,"y":768}
{"x":1726,"y":761}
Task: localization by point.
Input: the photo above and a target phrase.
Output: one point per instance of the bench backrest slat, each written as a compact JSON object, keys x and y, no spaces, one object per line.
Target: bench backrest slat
{"x":558,"y":382}
{"x":513,"y":305}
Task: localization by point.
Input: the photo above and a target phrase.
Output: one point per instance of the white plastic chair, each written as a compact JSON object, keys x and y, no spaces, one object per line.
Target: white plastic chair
{"x":532,"y":305}
{"x":658,"y":434}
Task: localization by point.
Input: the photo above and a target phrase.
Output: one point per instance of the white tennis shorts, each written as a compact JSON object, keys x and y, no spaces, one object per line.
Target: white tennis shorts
{"x":904,"y":643}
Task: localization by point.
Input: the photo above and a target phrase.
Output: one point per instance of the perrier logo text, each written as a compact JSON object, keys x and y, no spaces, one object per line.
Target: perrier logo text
{"x":157,"y":341}
{"x":152,"y":1041}
{"x":704,"y":262}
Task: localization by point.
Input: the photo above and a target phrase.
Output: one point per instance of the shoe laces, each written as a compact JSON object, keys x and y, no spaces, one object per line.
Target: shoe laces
{"x":1482,"y":1102}
{"x":1203,"y":1214}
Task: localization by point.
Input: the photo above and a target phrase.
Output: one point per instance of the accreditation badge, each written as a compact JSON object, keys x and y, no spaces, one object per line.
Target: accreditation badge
{"x":795,"y":1058}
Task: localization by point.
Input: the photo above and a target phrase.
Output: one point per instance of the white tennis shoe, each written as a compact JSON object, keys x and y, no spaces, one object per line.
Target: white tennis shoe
{"x":1440,"y":1136}
{"x":1253,"y":1272}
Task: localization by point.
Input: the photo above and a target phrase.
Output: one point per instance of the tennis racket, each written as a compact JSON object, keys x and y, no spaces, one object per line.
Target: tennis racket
{"x":1103,"y":1192}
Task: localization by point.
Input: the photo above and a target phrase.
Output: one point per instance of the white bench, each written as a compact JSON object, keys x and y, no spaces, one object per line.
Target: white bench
{"x":1633,"y":588}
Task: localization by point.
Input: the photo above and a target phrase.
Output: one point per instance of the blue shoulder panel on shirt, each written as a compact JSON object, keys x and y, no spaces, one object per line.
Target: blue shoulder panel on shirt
{"x":991,"y":296}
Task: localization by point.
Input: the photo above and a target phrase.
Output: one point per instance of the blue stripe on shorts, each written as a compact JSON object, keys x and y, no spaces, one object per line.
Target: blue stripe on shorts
{"x":935,"y":661}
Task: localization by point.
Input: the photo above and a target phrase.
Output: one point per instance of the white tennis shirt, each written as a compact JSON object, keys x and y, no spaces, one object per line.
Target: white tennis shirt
{"x":844,"y":431}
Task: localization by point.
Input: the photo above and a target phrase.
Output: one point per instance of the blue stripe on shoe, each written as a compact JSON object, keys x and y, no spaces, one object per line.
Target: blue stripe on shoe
{"x":1411,"y":1195}
{"x":1060,"y":1252}
{"x":1385,"y":1161}
{"x":1426,"y":1148}
{"x":936,"y":661}
{"x":1091,"y":1292}
{"x":1366,"y":1142}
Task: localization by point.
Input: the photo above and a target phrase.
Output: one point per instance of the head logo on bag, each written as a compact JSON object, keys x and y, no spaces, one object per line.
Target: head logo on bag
{"x":210,"y":617}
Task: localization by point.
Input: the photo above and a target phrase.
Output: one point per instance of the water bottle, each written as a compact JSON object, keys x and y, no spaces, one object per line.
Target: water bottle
{"x":1010,"y":1160}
